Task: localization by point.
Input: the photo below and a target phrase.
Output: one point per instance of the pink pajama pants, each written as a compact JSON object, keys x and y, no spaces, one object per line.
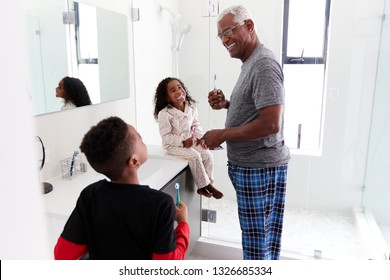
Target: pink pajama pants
{"x":200,"y":162}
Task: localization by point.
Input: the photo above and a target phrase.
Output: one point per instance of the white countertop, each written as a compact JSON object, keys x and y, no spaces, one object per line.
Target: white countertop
{"x":156,"y":172}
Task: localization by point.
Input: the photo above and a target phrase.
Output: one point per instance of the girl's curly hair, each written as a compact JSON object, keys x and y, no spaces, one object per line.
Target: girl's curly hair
{"x":75,"y":92}
{"x":160,"y":97}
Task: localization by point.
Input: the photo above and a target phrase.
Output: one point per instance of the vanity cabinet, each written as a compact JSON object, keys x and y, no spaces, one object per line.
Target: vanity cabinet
{"x":190,"y":197}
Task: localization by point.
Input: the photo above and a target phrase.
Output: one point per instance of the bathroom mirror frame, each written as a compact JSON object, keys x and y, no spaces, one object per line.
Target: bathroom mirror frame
{"x":52,"y":54}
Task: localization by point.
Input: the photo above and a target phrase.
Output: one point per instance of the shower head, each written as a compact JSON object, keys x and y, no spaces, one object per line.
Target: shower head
{"x":186,"y":29}
{"x":174,"y":17}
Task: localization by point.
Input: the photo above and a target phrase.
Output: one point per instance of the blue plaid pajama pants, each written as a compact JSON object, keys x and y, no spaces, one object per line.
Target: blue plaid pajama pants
{"x":260,"y":198}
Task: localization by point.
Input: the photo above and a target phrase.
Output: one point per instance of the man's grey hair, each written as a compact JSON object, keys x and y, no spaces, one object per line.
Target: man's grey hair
{"x":239,"y":13}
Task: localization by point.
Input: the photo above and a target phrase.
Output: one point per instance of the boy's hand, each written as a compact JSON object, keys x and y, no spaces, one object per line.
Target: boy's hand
{"x":181,"y":213}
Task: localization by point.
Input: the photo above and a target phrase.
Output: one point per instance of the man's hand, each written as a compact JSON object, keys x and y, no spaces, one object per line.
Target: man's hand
{"x":213,"y":138}
{"x":217,"y":100}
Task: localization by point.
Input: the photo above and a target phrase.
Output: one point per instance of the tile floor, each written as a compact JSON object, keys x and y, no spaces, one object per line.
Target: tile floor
{"x":331,"y":235}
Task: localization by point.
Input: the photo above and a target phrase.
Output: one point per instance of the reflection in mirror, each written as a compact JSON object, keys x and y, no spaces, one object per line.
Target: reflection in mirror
{"x":73,"y":93}
{"x":67,"y":38}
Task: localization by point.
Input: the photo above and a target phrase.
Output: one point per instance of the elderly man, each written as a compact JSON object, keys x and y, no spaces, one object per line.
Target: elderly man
{"x":257,"y":155}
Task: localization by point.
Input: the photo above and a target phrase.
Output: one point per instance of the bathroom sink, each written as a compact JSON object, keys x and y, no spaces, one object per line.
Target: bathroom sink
{"x":157,"y":171}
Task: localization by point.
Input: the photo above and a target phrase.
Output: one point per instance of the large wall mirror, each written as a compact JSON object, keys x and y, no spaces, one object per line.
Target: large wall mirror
{"x":68,"y":38}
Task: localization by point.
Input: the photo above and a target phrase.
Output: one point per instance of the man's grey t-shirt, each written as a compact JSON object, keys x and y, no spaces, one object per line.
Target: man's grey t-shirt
{"x":259,"y":85}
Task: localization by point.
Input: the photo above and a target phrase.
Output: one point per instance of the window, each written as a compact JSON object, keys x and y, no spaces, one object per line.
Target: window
{"x":305,"y":31}
{"x":84,"y":41}
{"x":86,"y":34}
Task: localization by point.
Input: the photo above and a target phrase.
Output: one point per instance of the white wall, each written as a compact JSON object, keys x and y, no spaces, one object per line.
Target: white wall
{"x":153,"y":60}
{"x":23,"y":233}
{"x":62,"y":132}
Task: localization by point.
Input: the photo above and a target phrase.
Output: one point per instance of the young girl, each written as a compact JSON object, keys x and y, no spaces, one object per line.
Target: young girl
{"x":181,"y":133}
{"x":73,"y":92}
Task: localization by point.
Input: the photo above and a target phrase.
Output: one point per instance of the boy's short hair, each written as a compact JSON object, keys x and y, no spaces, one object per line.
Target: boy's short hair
{"x":108,"y":146}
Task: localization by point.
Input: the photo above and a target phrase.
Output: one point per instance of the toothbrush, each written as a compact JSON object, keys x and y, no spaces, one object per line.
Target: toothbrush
{"x":215,"y":78}
{"x":75,"y":153}
{"x":177,"y":187}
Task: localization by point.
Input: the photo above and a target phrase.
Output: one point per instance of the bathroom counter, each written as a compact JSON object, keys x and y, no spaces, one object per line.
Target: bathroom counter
{"x":160,"y":172}
{"x":156,"y":172}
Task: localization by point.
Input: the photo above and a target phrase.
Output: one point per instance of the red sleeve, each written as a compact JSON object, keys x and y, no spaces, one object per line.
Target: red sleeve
{"x":66,"y":250}
{"x":182,"y":232}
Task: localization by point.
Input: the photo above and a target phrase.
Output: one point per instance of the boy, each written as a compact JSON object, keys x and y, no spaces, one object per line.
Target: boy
{"x":120,"y":219}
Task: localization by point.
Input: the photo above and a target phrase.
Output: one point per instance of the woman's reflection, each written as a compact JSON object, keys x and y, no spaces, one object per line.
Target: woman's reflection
{"x":73,"y":92}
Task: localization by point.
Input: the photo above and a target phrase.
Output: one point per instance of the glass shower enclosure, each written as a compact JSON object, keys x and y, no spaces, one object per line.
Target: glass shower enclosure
{"x":328,"y":194}
{"x":376,"y":199}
